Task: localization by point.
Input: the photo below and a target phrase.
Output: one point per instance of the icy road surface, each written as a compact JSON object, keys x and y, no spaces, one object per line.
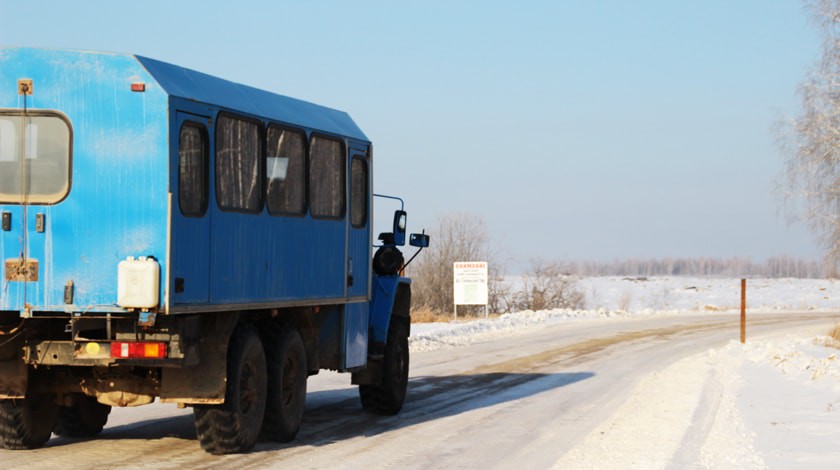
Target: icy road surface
{"x":661,"y":391}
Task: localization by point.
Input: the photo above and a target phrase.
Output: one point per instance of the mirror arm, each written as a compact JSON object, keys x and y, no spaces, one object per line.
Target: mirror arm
{"x":412,"y":257}
{"x":402,"y":204}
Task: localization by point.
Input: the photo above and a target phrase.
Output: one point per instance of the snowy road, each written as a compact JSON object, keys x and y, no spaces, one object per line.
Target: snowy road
{"x":621,"y":393}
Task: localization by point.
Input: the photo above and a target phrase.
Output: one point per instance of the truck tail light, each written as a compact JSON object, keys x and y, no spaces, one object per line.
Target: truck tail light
{"x":138,"y":350}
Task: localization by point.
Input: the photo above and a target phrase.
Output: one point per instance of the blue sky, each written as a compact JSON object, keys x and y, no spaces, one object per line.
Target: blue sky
{"x":576,"y":129}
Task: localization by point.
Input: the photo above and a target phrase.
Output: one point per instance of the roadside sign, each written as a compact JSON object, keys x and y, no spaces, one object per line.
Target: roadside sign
{"x":470,"y":283}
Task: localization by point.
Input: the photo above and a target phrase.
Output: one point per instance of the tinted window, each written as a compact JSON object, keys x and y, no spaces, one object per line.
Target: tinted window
{"x":192,"y":169}
{"x":326,"y":178}
{"x":358,"y":192}
{"x":34,"y":158}
{"x":285,"y":176}
{"x":238,"y":182}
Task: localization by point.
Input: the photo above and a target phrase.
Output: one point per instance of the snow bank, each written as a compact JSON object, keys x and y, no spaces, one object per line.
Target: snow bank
{"x":800,"y":359}
{"x":789,"y":398}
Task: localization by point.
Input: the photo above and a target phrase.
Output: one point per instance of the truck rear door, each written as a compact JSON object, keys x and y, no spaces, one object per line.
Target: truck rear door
{"x":35,"y":170}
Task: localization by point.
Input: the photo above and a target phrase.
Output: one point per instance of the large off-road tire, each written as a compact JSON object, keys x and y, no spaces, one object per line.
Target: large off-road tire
{"x":85,"y":418}
{"x":27,"y":423}
{"x":387,"y":398}
{"x":286,"y":386}
{"x":235,"y":425}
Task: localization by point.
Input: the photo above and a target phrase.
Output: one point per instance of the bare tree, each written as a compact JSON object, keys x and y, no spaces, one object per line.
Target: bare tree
{"x":547,"y":285}
{"x":812,"y":140}
{"x":458,"y":237}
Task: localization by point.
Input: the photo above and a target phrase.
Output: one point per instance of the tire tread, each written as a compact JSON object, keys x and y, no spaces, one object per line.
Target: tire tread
{"x":21,"y":428}
{"x":218,"y":427}
{"x":382,"y":399}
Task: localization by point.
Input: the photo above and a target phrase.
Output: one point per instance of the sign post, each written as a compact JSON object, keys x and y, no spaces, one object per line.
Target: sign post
{"x":743,"y":311}
{"x":470,"y":284}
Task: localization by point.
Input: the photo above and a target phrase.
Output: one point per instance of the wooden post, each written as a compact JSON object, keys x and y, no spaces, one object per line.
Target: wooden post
{"x":743,"y":311}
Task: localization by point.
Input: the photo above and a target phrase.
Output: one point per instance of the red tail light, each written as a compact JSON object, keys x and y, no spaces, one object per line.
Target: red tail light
{"x":138,"y":350}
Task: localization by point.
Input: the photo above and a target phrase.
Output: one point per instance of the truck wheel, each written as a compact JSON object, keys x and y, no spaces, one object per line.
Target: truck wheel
{"x":235,"y":425}
{"x":85,"y":418}
{"x":387,"y":398}
{"x":286,"y":387}
{"x":27,"y":423}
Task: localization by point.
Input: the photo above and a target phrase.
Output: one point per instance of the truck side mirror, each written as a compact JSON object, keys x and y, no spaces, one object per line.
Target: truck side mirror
{"x":420,"y":240}
{"x":400,"y":221}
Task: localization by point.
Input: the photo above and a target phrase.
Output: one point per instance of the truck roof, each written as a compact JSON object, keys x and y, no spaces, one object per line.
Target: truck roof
{"x":192,"y":85}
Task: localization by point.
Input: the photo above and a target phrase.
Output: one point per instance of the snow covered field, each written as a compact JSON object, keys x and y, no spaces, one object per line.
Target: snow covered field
{"x":771,"y":403}
{"x":637,"y":295}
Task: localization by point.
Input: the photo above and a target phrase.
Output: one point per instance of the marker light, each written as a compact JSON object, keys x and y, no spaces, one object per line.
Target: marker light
{"x":92,"y":349}
{"x":138,"y":86}
{"x":138,"y":350}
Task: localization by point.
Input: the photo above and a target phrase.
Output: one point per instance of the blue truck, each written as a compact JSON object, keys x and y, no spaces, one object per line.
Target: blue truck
{"x":171,"y":235}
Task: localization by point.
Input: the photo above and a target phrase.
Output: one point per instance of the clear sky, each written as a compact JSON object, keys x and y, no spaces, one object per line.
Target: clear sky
{"x":577,"y":129}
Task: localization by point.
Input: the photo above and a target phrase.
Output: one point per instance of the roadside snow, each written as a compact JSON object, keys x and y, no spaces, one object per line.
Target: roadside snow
{"x":430,"y":336}
{"x":791,"y":399}
{"x":616,"y":297}
{"x":771,"y":403}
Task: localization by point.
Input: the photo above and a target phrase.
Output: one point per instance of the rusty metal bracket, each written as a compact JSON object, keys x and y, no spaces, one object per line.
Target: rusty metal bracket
{"x":25,"y":86}
{"x":22,"y":270}
{"x":146,"y":319}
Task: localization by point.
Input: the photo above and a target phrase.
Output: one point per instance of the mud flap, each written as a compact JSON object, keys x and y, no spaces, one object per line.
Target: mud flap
{"x":14,"y":378}
{"x":205,"y":383}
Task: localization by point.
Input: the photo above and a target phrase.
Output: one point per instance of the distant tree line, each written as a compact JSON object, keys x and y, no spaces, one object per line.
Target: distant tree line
{"x":775,"y":267}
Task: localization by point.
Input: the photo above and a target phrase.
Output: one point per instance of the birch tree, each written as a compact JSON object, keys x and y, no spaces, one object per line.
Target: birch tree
{"x":811,"y":141}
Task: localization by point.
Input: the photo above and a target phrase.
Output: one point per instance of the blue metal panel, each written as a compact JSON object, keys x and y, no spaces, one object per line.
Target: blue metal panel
{"x":117,"y":205}
{"x":355,"y":334}
{"x":382,"y":303}
{"x":185,"y":83}
{"x":260,"y":258}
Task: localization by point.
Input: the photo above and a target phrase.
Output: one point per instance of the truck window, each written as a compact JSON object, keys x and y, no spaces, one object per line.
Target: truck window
{"x":285,"y":177}
{"x":327,"y":178}
{"x":358,"y":192}
{"x":238,"y":152}
{"x":192,"y":169}
{"x":35,"y":155}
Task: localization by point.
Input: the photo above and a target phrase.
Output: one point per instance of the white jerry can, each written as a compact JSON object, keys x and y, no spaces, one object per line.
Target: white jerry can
{"x":138,"y":283}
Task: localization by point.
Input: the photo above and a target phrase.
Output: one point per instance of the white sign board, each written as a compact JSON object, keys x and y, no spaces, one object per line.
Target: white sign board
{"x":470,"y":282}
